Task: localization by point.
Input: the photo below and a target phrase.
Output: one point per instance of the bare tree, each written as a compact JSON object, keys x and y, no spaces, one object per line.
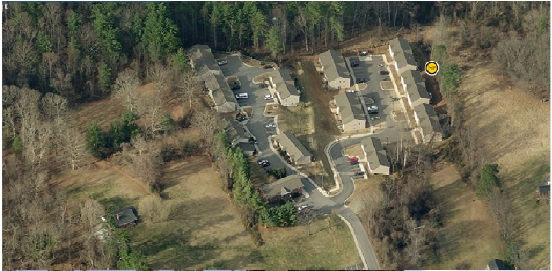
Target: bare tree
{"x":207,"y":122}
{"x":146,"y":161}
{"x":152,"y":106}
{"x":189,"y":87}
{"x":54,"y":106}
{"x":126,"y":88}
{"x":153,"y":210}
{"x":74,"y":147}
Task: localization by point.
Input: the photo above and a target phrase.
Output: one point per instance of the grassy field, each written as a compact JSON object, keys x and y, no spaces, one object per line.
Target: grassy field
{"x":203,"y":229}
{"x":470,"y":232}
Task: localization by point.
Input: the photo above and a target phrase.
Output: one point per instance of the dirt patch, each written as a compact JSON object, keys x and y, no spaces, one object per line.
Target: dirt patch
{"x":354,"y":150}
{"x":367,"y":193}
{"x":387,"y":85}
{"x":470,"y":231}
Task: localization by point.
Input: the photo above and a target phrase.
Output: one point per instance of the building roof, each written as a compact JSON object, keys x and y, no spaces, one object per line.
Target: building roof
{"x":417,"y":91}
{"x":293,"y":147}
{"x":400,"y":45}
{"x":349,"y":106}
{"x":496,"y":264}
{"x":334,"y":65}
{"x":544,"y":189}
{"x":428,"y":118}
{"x":202,"y":58}
{"x":235,"y":131}
{"x":220,"y":90}
{"x":246,"y":147}
{"x":412,"y":77}
{"x":126,"y":216}
{"x":282,"y":186}
{"x":375,"y":154}
{"x":404,"y":59}
{"x":284,"y":83}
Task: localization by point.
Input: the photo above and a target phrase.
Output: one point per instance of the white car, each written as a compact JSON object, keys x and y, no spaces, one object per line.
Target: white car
{"x":375,"y":118}
{"x":303,"y":207}
{"x":242,"y":95}
{"x":372,"y":107}
{"x":222,"y":62}
{"x":268,"y":97}
{"x":270,"y":125}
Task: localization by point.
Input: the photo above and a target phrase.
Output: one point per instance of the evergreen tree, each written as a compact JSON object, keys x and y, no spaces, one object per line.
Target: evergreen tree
{"x":95,"y":141}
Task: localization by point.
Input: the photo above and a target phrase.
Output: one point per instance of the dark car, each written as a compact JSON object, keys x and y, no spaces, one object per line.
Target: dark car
{"x":372,"y":112}
{"x":360,"y":80}
{"x":268,"y":66}
{"x":266,"y":164}
{"x":384,"y":72}
{"x":362,"y":53}
{"x":354,"y":64}
{"x":235,"y":87}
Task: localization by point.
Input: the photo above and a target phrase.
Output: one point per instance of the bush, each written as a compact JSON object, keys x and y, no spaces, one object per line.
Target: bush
{"x":487,"y":181}
{"x":278,"y":173}
{"x":17,"y":146}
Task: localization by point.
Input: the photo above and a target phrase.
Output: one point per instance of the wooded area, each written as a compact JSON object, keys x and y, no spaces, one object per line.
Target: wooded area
{"x":57,"y":55}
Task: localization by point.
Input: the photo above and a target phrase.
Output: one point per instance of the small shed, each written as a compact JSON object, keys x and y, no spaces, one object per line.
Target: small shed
{"x":125,"y":217}
{"x":495,"y":264}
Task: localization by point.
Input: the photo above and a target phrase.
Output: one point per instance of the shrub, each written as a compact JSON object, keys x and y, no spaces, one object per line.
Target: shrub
{"x":487,"y":181}
{"x":17,"y":146}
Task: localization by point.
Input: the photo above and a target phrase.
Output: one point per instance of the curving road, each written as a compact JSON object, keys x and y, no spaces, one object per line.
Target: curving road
{"x":320,"y":201}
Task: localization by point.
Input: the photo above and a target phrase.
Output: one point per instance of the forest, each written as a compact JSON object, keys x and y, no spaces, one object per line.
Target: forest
{"x":59,"y":55}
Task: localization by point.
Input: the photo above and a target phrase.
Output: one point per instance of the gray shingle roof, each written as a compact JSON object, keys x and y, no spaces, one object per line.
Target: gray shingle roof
{"x":400,"y":44}
{"x":429,"y":122}
{"x":201,"y":56}
{"x":293,"y":147}
{"x":219,"y":88}
{"x":404,"y":58}
{"x":284,"y":83}
{"x":235,"y":131}
{"x":126,"y":216}
{"x":334,"y":65}
{"x":350,"y":107}
{"x":375,"y":154}
{"x":282,"y":186}
{"x":496,"y":264}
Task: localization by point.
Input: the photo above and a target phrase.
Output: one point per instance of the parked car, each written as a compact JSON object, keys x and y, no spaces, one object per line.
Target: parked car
{"x":264,"y":165}
{"x":222,"y":62}
{"x":362,"y":53}
{"x":360,"y":80}
{"x":393,"y":99}
{"x":372,"y":112}
{"x":260,"y":162}
{"x":303,"y":207}
{"x":354,"y":64}
{"x":242,"y":95}
{"x":384,"y":72}
{"x":375,"y":118}
{"x":372,"y":108}
{"x":270,"y":125}
{"x":380,"y":65}
{"x":240,"y":117}
{"x":268,"y":97}
{"x":268,"y":66}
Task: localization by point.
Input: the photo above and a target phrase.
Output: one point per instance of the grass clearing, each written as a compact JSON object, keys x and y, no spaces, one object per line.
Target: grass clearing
{"x":367,"y":193}
{"x":313,"y":93}
{"x":470,"y":232}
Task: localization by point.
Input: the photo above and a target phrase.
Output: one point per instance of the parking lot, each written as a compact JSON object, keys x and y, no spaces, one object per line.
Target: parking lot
{"x":372,"y":71}
{"x":256,"y":99}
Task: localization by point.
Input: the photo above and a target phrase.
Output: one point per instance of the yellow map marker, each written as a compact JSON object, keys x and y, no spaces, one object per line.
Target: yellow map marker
{"x":432,"y":68}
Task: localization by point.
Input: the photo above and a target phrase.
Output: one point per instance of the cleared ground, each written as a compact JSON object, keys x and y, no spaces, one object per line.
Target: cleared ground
{"x":513,"y":128}
{"x":470,"y":233}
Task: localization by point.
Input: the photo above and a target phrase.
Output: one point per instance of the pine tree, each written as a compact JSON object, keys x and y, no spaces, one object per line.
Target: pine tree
{"x":95,"y":141}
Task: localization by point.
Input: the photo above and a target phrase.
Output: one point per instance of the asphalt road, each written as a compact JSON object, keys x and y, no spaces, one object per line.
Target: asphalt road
{"x":320,"y":203}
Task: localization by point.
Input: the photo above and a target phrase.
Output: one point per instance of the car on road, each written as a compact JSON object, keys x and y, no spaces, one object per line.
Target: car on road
{"x":268,"y":97}
{"x":260,"y":162}
{"x":384,"y":72}
{"x":372,"y":108}
{"x":375,"y":118}
{"x":222,"y":62}
{"x":268,"y":66}
{"x":242,"y":95}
